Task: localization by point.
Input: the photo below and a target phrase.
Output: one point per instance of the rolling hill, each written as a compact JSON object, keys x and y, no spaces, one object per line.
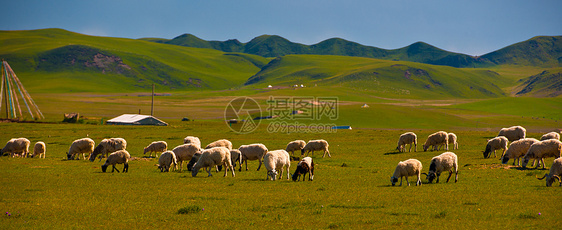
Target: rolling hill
{"x":537,"y":51}
{"x":545,"y":84}
{"x":59,"y":61}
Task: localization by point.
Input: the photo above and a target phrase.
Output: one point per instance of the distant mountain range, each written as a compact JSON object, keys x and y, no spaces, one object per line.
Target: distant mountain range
{"x":537,"y":51}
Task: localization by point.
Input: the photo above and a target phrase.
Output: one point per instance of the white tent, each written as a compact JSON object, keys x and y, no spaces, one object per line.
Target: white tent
{"x":136,"y":119}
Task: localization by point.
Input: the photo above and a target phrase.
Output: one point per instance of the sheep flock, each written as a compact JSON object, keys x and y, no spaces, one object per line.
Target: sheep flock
{"x":221,"y":154}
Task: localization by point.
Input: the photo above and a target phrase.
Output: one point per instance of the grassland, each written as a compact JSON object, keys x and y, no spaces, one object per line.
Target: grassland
{"x":350,"y":190}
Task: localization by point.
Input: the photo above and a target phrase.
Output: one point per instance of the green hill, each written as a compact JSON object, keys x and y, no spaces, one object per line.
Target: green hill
{"x":537,"y":51}
{"x":380,"y":77}
{"x":545,"y":84}
{"x":55,"y":60}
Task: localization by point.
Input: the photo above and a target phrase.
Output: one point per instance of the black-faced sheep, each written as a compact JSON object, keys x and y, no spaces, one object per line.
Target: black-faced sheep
{"x":220,"y":143}
{"x":541,"y":150}
{"x":166,"y":160}
{"x":436,"y":139}
{"x":118,"y":157}
{"x":316,"y":145}
{"x":407,"y":138}
{"x":192,"y":140}
{"x":212,"y":157}
{"x":410,"y":167}
{"x":275,"y":162}
{"x":453,"y":140}
{"x":184,"y":153}
{"x":156,"y":147}
{"x":39,"y":149}
{"x":107,"y":146}
{"x":296,"y":145}
{"x":495,"y":144}
{"x":447,"y":161}
{"x":555,"y":173}
{"x":513,"y":133}
{"x":551,"y":135}
{"x":306,"y":165}
{"x":517,"y":149}
{"x":81,"y":146}
{"x":16,"y":147}
{"x":252,"y":152}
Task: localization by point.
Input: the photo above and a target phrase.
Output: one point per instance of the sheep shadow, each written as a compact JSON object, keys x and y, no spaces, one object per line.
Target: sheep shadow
{"x":394,"y":153}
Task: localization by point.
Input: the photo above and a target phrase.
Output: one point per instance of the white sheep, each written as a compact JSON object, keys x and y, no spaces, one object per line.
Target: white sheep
{"x":117,"y":157}
{"x":166,"y":160}
{"x":184,"y":153}
{"x":275,"y":161}
{"x":407,"y":138}
{"x":155,"y":147}
{"x":517,"y":149}
{"x":192,"y":140}
{"x":16,"y":147}
{"x":220,"y":143}
{"x":453,"y":140}
{"x":252,"y":152}
{"x":447,"y":161}
{"x":295,"y":145}
{"x":436,"y":139}
{"x":541,"y":150}
{"x":513,"y":133}
{"x":316,"y":145}
{"x":555,"y":173}
{"x":81,"y":146}
{"x":410,"y":167}
{"x":212,"y":157}
{"x":306,"y":165}
{"x":551,"y":135}
{"x":495,"y":144}
{"x":39,"y":149}
{"x":107,"y":146}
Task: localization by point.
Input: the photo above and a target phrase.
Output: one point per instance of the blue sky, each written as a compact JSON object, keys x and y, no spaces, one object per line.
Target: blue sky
{"x":474,"y":27}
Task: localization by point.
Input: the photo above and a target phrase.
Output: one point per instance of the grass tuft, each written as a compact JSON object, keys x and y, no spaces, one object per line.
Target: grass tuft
{"x":441,"y":215}
{"x":190,"y":209}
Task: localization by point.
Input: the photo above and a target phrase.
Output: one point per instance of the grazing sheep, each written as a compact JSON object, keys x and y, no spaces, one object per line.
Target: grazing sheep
{"x":84,"y":145}
{"x":220,"y":143}
{"x":235,"y":157}
{"x":166,"y":160}
{"x":541,"y":150}
{"x":495,"y":144}
{"x":295,"y":145}
{"x":15,"y":146}
{"x":551,"y":135}
{"x":39,"y":149}
{"x":192,"y":140}
{"x":437,"y":139}
{"x":193,"y":160}
{"x":118,"y":157}
{"x":275,"y":161}
{"x":306,"y":165}
{"x":517,"y":149}
{"x":555,"y":173}
{"x":212,"y":157}
{"x":316,"y":145}
{"x":184,"y":153}
{"x":107,"y":146}
{"x":453,"y":140}
{"x":252,"y":152}
{"x":447,"y":161}
{"x":405,"y":169}
{"x":407,"y":138}
{"x":513,"y":133}
{"x":156,"y":147}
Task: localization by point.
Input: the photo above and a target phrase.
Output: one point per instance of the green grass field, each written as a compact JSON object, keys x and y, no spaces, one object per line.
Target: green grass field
{"x":350,"y":190}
